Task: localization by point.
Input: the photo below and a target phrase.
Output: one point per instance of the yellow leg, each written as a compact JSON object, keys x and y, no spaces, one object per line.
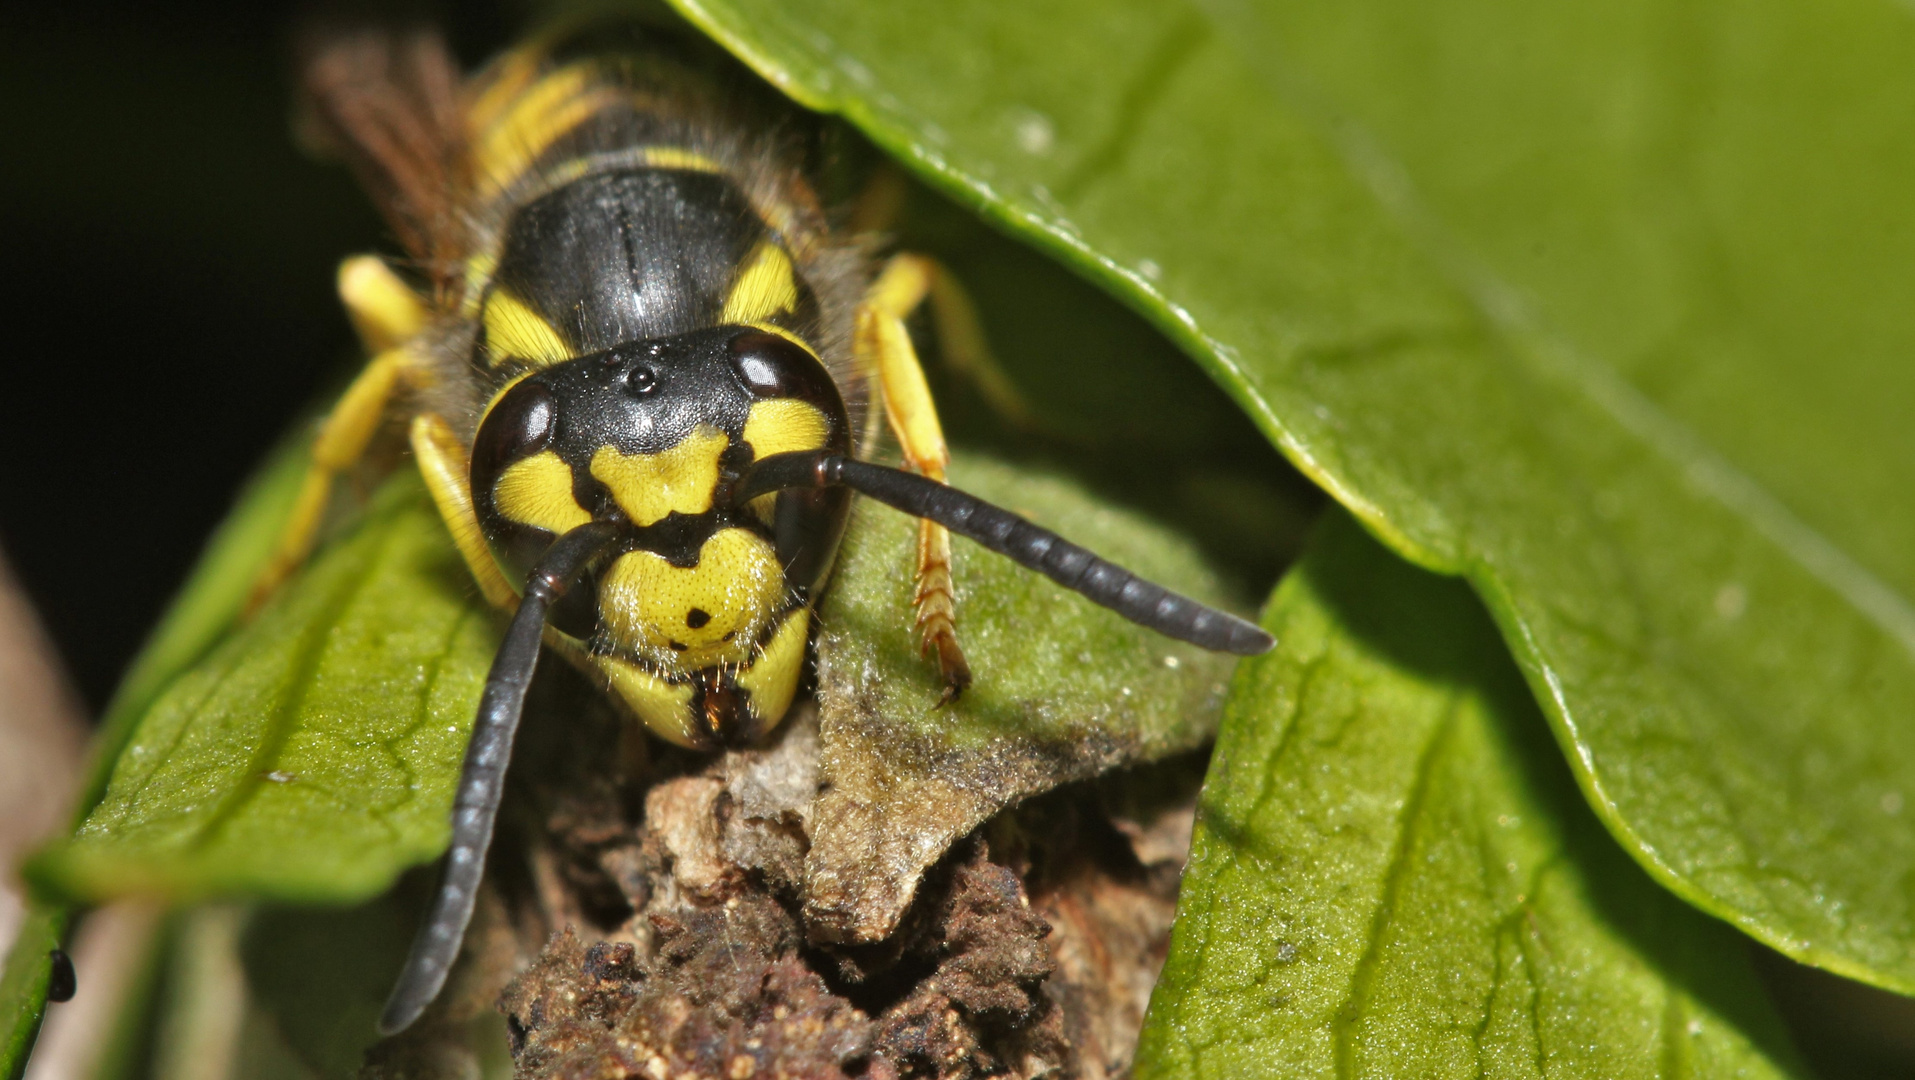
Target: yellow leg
{"x":962,"y":343}
{"x":383,"y":308}
{"x":386,"y":313}
{"x":966,"y":350}
{"x":443,"y":463}
{"x":883,"y":346}
{"x":342,"y":441}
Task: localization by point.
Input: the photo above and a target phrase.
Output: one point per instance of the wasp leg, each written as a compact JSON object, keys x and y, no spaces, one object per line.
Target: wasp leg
{"x":965,"y":350}
{"x":383,"y":308}
{"x":962,"y":344}
{"x":385,"y":312}
{"x":342,"y":441}
{"x":442,"y":461}
{"x":883,"y":345}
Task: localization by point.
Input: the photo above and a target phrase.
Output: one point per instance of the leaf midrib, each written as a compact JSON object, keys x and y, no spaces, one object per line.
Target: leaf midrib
{"x":308,"y":654}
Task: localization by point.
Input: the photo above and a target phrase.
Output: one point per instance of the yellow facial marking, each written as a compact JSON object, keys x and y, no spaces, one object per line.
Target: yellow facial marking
{"x":513,"y":330}
{"x":650,"y":486}
{"x":665,"y":707}
{"x":684,"y":619}
{"x":538,"y":491}
{"x":765,"y":287}
{"x":773,"y":677}
{"x":778,"y":426}
{"x":781,"y":425}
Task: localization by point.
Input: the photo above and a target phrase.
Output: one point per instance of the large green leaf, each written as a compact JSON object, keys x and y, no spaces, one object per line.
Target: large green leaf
{"x":1392,"y":873}
{"x":312,"y":754}
{"x":1600,"y":307}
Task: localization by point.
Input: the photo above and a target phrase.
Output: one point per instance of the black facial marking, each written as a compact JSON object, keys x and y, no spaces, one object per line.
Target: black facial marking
{"x":696,"y":618}
{"x":644,"y":397}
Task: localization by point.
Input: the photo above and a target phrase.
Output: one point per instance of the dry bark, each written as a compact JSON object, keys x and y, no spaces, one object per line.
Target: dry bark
{"x":665,"y":902}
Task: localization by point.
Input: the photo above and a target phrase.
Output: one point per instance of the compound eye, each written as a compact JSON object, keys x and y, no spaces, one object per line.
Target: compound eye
{"x":770,"y":366}
{"x":519,"y":426}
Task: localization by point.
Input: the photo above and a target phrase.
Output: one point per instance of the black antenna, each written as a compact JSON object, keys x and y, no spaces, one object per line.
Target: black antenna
{"x":482,"y":778}
{"x":1143,"y":602}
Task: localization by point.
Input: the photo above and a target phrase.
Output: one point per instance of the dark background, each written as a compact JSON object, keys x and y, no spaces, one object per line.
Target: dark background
{"x":166,"y":269}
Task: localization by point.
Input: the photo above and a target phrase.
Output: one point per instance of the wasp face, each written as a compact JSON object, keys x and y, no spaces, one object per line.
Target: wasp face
{"x":699,"y":615}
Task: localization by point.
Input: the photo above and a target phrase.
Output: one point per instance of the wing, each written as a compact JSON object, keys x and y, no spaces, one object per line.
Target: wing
{"x":388,"y":102}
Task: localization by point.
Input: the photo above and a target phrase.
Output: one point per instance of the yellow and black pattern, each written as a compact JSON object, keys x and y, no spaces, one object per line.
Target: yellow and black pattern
{"x":701,"y":594}
{"x":641,"y":309}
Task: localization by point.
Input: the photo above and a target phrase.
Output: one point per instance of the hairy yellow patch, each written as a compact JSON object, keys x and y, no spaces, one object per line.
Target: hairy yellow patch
{"x":765,"y":287}
{"x":772,"y":679}
{"x":684,"y":619}
{"x":514,"y":330}
{"x":538,"y":491}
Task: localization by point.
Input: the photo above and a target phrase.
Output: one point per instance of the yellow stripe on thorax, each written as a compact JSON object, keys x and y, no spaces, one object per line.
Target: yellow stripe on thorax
{"x":478,"y":274}
{"x":650,"y":486}
{"x":677,"y":157}
{"x":544,"y":113}
{"x":765,"y":287}
{"x":515,"y":331}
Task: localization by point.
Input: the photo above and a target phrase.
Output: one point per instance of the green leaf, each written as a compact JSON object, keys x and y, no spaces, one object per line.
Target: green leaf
{"x":1392,"y":874}
{"x":312,"y":755}
{"x":24,"y":983}
{"x":1064,"y":690}
{"x":206,"y":606}
{"x":1604,"y":309}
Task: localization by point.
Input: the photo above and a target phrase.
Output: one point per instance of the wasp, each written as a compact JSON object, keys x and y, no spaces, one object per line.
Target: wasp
{"x":641,"y":370}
